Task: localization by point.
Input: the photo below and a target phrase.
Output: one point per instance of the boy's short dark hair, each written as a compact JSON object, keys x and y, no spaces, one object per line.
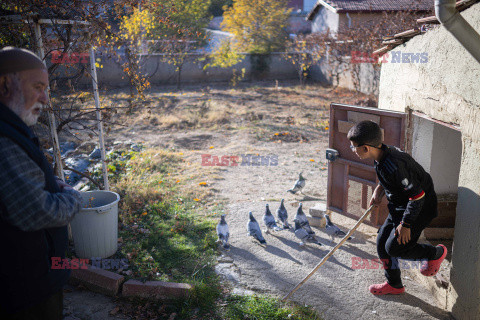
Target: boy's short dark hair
{"x":365,"y":132}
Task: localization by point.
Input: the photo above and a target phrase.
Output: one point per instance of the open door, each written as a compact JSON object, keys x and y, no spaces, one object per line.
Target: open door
{"x":351,"y":181}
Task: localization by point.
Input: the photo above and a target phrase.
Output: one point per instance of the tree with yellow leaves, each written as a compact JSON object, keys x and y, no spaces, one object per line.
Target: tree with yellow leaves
{"x":259,"y":26}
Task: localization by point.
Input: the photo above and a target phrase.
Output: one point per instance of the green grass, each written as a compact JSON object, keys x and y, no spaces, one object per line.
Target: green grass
{"x":266,"y":308}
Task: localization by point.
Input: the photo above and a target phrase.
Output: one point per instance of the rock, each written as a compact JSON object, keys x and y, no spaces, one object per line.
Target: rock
{"x":96,"y":154}
{"x":224,"y":259}
{"x":67,"y":147}
{"x":136,"y":148}
{"x":78,"y":164}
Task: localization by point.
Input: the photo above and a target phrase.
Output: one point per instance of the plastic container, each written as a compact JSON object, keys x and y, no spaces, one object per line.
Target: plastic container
{"x":95,"y":227}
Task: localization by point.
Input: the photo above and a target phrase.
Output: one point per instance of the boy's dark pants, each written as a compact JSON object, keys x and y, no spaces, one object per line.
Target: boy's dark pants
{"x":389,"y":249}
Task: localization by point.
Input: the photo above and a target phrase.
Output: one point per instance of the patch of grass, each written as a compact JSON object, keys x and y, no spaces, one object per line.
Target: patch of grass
{"x":166,"y":232}
{"x":266,"y":308}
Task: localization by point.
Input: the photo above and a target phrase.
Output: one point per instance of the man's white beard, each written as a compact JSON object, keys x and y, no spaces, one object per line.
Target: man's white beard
{"x":29,"y":118}
{"x":17,"y":105}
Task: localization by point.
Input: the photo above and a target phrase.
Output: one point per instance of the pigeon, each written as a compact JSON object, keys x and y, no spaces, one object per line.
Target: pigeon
{"x":302,"y":220}
{"x":333,"y":230}
{"x":269,"y":220}
{"x":283,"y":215}
{"x":223,"y":232}
{"x":254,"y":229}
{"x":304,"y":236}
{"x":299,"y":184}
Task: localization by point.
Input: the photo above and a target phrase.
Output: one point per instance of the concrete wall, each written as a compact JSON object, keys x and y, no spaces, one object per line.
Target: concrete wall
{"x":368,"y":76}
{"x":446,"y":158}
{"x":447,"y":88}
{"x":161,"y":73}
{"x":438,"y":149}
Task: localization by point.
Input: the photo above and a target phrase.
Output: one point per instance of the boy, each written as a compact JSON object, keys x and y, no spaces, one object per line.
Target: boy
{"x":412,"y":204}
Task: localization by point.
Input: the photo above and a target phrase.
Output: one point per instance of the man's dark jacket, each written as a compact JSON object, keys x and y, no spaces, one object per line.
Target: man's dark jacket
{"x":26,"y":277}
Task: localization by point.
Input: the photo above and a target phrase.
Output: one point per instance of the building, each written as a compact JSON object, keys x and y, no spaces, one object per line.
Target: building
{"x":335,"y":15}
{"x":442,"y":100}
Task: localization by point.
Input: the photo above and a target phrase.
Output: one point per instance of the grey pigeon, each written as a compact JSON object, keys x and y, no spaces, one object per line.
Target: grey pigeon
{"x":299,"y":184}
{"x":269,"y":220}
{"x":283,"y":215}
{"x":333,"y":230}
{"x":254,"y":229}
{"x":302,"y":219}
{"x":304,"y":236}
{"x":223,"y":232}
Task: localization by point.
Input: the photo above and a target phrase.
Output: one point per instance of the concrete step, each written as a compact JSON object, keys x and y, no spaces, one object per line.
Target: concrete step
{"x":318,"y":210}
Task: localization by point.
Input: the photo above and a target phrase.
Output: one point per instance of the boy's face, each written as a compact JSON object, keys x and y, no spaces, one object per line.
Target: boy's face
{"x":362,"y":151}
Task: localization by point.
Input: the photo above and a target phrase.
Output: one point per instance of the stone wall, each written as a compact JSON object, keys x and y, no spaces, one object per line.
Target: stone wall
{"x":446,"y":88}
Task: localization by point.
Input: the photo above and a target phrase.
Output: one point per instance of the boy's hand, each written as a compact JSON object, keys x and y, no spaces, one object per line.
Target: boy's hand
{"x":403,"y":234}
{"x":377,"y":195}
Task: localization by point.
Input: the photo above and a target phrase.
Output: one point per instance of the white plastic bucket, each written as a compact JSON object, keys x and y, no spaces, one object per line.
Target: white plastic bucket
{"x":95,"y":227}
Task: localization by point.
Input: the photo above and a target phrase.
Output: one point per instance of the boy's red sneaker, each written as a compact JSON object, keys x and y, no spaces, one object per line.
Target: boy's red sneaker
{"x":385,"y":288}
{"x":432,"y":266}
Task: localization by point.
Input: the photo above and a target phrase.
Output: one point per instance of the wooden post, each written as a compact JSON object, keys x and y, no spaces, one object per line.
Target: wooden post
{"x":51,"y":117}
{"x":93,"y":70}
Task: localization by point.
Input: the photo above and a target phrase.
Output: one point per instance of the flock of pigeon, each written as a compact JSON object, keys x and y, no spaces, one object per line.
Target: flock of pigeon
{"x":302,"y":228}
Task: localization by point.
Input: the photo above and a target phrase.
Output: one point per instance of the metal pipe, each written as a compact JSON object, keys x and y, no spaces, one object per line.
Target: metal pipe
{"x":451,"y":19}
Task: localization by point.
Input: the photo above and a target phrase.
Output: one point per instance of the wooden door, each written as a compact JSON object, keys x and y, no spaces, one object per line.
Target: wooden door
{"x":351,"y":181}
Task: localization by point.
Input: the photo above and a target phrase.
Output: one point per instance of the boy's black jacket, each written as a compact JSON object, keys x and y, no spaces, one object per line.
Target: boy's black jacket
{"x":408,"y":187}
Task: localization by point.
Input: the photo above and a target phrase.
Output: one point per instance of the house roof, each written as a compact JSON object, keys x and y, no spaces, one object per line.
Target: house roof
{"x":365,"y":6}
{"x":424,"y":25}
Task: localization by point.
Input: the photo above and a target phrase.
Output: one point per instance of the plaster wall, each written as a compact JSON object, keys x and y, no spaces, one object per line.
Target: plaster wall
{"x":438,"y":149}
{"x":446,"y":88}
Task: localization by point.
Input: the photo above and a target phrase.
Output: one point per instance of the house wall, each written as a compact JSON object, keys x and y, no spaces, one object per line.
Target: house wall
{"x":325,"y":19}
{"x":354,"y":19}
{"x":446,"y":88}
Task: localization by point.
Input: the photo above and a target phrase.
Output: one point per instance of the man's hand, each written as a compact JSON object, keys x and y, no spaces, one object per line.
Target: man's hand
{"x":377,"y":195}
{"x":403,"y":234}
{"x":63,"y":185}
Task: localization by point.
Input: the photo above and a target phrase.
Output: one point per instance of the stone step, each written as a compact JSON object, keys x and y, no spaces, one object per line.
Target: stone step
{"x":318,"y":210}
{"x":318,"y":222}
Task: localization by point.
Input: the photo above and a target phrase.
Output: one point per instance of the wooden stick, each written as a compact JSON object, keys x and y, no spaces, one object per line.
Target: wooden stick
{"x":365,"y":215}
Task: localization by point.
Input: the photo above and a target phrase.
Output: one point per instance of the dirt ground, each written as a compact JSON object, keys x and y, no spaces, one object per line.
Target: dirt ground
{"x":262,"y":119}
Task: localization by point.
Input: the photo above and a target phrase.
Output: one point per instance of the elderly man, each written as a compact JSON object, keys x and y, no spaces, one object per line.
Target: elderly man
{"x":35,"y":207}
